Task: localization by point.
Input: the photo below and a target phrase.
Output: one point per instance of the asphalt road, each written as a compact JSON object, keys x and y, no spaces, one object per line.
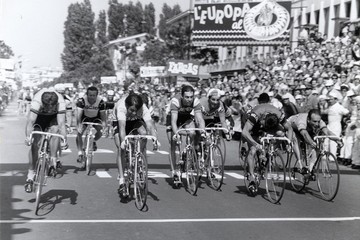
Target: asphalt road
{"x":77,"y":206}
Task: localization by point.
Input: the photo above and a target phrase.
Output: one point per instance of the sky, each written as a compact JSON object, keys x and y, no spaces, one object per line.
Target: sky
{"x":34,"y":28}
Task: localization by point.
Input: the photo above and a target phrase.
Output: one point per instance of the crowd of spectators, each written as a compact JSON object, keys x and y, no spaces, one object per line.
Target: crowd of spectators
{"x":319,"y":73}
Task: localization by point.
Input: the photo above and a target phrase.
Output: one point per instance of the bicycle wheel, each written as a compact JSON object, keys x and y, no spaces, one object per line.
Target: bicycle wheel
{"x":327,"y":175}
{"x":297,"y":180}
{"x":215,"y":168}
{"x":192,"y":171}
{"x":221,"y":144}
{"x":242,"y":153}
{"x":89,"y":156}
{"x":39,"y":181}
{"x":140,"y":181}
{"x":275,"y":177}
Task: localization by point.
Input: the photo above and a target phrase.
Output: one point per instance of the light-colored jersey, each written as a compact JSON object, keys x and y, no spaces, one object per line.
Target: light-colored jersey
{"x":210,"y":113}
{"x":122,"y":114}
{"x":177,"y":106}
{"x":299,"y":122}
{"x":37,"y":106}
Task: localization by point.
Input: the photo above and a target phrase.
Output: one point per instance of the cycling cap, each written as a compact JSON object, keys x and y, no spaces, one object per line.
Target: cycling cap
{"x":214,"y":92}
{"x":110,"y":92}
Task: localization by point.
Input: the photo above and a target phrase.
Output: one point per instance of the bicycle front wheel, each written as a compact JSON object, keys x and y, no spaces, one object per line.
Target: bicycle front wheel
{"x":297,"y":180}
{"x":275,"y":177}
{"x":89,"y":156}
{"x":192,"y":171}
{"x":216,"y":164}
{"x":140,"y":181}
{"x":39,"y":181}
{"x":327,"y":175}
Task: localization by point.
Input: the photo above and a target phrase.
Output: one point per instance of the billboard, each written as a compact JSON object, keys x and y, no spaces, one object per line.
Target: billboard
{"x":265,"y":23}
{"x":183,"y":68}
{"x":157,"y":71}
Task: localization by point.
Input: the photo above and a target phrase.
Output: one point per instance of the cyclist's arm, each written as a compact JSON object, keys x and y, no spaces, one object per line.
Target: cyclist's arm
{"x":199,"y":119}
{"x":150,"y":127}
{"x":223,"y":119}
{"x":289,"y":130}
{"x":122,"y":133}
{"x":307,"y":137}
{"x":174,"y":118}
{"x":61,"y":123}
{"x":327,"y":132}
{"x":246,"y":134}
{"x":30,"y":123}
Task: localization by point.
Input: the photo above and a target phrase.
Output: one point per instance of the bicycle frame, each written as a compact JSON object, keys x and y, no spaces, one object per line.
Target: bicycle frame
{"x":136,"y":170}
{"x":43,"y":163}
{"x":88,"y":150}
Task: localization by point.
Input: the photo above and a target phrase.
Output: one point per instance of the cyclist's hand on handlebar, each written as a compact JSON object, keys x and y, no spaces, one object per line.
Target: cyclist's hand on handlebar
{"x":156,"y":145}
{"x":27,"y":141}
{"x":203,"y":135}
{"x":340,"y":143}
{"x":122,"y":145}
{"x":176,"y":137}
{"x":313,"y":144}
{"x":64,"y":145}
{"x":228,"y":136}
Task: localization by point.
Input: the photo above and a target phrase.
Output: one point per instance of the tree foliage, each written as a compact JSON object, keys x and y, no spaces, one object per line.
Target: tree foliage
{"x":5,"y":51}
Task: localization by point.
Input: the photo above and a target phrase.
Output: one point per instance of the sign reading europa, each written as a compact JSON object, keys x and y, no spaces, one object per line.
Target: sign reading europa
{"x":182,"y":68}
{"x":242,"y":24}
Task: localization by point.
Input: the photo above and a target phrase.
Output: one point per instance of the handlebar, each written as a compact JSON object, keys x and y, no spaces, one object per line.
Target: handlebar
{"x":216,"y":128}
{"x":335,"y":138}
{"x":141,"y":137}
{"x":46,"y":134}
{"x":269,"y":138}
{"x":189,"y":129}
{"x":92,"y":123}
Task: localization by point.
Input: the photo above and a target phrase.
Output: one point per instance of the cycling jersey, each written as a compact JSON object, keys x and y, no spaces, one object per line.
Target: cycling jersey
{"x":122,"y":115}
{"x":258,"y":114}
{"x":91,"y":110}
{"x":210,"y":113}
{"x":37,"y":106}
{"x":299,"y":122}
{"x":176,"y":105}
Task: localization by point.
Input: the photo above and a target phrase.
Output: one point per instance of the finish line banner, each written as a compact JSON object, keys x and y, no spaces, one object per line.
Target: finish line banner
{"x":265,"y":23}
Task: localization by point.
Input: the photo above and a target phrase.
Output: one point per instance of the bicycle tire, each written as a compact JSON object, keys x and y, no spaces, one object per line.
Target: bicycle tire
{"x":296,"y":179}
{"x":140,"y":181}
{"x":216,"y":163}
{"x":192,"y":171}
{"x":327,"y":175}
{"x":39,"y":181}
{"x":221,"y":144}
{"x":242,"y":151}
{"x":275,"y":177}
{"x":89,"y":156}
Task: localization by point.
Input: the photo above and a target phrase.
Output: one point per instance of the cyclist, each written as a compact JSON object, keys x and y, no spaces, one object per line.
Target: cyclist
{"x":47,"y":113}
{"x":131,"y":114}
{"x":90,"y":108}
{"x":213,"y":110}
{"x":183,"y":109}
{"x":263,"y":118}
{"x":68,"y":104}
{"x":306,"y":126}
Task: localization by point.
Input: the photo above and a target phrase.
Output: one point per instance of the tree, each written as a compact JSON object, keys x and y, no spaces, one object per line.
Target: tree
{"x":5,"y":51}
{"x":149,"y":19}
{"x":79,"y":36}
{"x":156,"y":52}
{"x":167,"y":13}
{"x":116,"y":14}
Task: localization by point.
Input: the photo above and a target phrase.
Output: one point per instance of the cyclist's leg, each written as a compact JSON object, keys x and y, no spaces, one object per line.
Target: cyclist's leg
{"x":33,"y":158}
{"x":296,"y":149}
{"x":251,"y":162}
{"x":79,"y":140}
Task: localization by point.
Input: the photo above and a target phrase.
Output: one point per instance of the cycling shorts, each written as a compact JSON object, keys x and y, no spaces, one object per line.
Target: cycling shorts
{"x":43,"y":122}
{"x":130,"y":126}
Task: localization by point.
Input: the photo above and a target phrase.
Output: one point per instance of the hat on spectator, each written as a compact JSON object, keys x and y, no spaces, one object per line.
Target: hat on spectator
{"x":286,"y":96}
{"x":329,"y":82}
{"x":271,"y":94}
{"x":314,"y":91}
{"x":299,"y":97}
{"x":350,"y":93}
{"x":324,"y":97}
{"x":333,"y":94}
{"x":355,"y":64}
{"x":357,"y":76}
{"x":344,"y":86}
{"x":213,"y":92}
{"x":304,"y":58}
{"x":302,"y":86}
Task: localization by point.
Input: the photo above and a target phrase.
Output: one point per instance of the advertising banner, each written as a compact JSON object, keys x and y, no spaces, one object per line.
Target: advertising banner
{"x":265,"y":23}
{"x":183,"y":68}
{"x":158,"y":71}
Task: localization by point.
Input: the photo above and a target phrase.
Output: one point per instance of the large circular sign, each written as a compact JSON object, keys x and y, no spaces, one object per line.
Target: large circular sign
{"x":266,"y":21}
